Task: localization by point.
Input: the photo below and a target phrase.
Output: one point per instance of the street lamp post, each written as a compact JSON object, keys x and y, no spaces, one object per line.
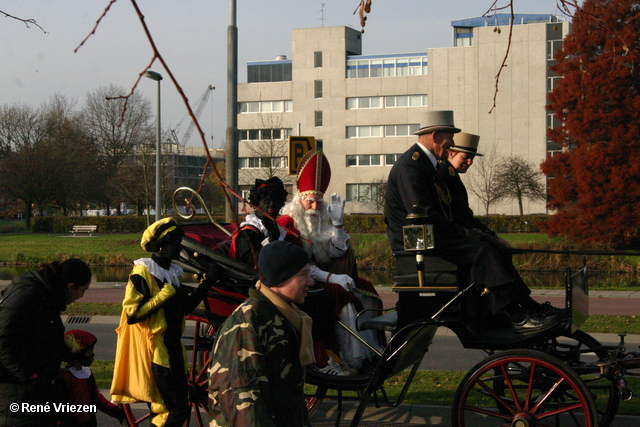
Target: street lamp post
{"x":232,"y":110}
{"x":157,"y":77}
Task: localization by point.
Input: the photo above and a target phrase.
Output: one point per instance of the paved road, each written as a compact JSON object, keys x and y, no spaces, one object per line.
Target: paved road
{"x":405,"y":415}
{"x":445,"y":353}
{"x":600,"y":302}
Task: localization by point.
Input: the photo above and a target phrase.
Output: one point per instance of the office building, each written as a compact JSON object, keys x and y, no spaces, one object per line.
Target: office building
{"x":365,"y":108}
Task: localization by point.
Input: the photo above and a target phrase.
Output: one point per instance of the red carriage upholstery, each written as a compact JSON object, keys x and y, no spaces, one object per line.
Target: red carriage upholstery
{"x":204,"y":244}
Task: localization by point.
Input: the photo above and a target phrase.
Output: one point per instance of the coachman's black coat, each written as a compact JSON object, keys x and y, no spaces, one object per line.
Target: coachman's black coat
{"x":414,"y":180}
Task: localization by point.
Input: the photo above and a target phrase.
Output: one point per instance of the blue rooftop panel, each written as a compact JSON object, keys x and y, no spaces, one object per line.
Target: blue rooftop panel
{"x":504,"y":19}
{"x":275,"y":61}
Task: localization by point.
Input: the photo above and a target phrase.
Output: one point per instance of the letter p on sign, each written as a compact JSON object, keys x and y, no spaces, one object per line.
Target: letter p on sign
{"x":298,"y":147}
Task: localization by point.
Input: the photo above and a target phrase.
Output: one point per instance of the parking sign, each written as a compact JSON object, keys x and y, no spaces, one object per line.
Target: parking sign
{"x":298,"y":147}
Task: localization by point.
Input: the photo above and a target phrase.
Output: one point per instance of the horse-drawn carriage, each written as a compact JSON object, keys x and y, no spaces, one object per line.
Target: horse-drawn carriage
{"x":560,"y":377}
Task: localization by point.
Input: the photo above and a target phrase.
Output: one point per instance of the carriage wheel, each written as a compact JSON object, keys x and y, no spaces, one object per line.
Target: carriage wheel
{"x":539,"y":390}
{"x":314,"y":395}
{"x":200,"y":346}
{"x":581,"y":351}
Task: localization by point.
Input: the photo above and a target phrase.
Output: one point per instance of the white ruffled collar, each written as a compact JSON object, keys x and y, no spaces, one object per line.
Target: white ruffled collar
{"x":82,"y":373}
{"x":172,"y":275}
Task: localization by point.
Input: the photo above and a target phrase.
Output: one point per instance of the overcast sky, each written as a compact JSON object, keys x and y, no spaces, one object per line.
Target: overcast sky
{"x":192,"y":37}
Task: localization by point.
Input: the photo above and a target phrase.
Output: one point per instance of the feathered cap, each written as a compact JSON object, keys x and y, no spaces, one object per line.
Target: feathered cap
{"x":154,"y":234}
{"x":314,"y":173}
{"x":272,"y":187}
{"x":77,"y":341}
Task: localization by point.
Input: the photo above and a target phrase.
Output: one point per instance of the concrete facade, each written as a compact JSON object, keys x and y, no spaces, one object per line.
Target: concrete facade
{"x":462,"y":79}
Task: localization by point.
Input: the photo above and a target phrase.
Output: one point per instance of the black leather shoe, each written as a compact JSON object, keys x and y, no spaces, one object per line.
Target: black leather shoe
{"x":535,"y":323}
{"x":548,"y":310}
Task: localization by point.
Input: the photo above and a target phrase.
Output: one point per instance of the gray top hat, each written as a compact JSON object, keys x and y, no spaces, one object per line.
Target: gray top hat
{"x":466,"y":143}
{"x":440,"y":120}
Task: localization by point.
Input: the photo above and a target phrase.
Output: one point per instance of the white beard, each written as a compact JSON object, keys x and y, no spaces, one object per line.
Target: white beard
{"x":314,"y":226}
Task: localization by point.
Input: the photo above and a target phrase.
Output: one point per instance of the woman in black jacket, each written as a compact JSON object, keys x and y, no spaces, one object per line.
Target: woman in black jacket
{"x":32,"y":339}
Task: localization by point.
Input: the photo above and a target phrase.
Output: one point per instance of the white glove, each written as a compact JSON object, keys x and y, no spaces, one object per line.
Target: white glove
{"x":343,"y":280}
{"x":336,"y":210}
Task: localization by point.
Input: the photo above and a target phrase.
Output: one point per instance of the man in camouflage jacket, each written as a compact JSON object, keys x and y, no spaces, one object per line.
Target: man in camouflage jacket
{"x":256,"y":377}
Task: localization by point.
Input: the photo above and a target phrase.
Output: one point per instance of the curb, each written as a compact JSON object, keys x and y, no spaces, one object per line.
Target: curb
{"x":79,"y":319}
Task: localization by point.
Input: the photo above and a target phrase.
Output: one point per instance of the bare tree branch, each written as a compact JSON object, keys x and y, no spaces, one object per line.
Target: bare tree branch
{"x":27,"y":22}
{"x":504,"y":60}
{"x":95,"y":27}
{"x":158,"y":56}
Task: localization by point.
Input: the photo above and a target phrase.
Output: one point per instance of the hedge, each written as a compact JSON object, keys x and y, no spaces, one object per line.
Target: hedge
{"x":106,"y":224}
{"x":353,"y":223}
{"x":498,"y":223}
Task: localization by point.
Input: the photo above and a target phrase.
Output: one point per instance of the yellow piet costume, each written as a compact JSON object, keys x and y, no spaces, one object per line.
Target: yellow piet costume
{"x":150,"y":361}
{"x":140,"y":344}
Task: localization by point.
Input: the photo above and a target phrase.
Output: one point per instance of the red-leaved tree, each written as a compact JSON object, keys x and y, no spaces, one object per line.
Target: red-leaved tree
{"x":594,"y":184}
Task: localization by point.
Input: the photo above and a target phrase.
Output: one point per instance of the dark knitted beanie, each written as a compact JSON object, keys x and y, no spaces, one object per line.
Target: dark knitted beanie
{"x":279,"y":261}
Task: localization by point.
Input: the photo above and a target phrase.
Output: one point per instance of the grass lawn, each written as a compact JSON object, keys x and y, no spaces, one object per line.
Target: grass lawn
{"x":100,"y":249}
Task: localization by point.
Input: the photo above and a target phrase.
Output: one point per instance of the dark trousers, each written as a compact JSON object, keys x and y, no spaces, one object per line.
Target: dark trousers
{"x":486,"y":266}
{"x":172,"y":384}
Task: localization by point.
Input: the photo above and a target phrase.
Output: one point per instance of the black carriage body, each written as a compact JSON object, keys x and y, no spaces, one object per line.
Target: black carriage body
{"x":443,"y":300}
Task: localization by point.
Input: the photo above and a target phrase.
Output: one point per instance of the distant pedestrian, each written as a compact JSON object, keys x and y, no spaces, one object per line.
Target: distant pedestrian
{"x":76,"y":385}
{"x":32,"y":338}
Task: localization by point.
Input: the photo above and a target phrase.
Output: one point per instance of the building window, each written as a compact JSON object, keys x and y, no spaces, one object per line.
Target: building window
{"x":393,"y":101}
{"x":390,"y":159}
{"x":375,"y":68}
{"x":552,"y":82}
{"x":265,"y":107}
{"x":414,"y":65}
{"x":364,"y":193}
{"x":401,"y":130}
{"x":263,"y":134}
{"x":317,"y":59}
{"x":553,"y":46}
{"x":553,"y":122}
{"x":355,"y":160}
{"x":462,"y":36}
{"x":318,"y":118}
{"x":278,"y":71}
{"x":317,"y":89}
{"x":364,"y":131}
{"x":261,"y":162}
{"x":364,"y":102}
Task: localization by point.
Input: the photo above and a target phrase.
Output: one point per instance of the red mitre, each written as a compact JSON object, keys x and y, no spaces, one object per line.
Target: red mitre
{"x":311,"y":178}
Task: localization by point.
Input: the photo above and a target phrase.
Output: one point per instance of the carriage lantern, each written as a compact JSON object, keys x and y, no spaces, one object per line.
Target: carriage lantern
{"x":418,"y":237}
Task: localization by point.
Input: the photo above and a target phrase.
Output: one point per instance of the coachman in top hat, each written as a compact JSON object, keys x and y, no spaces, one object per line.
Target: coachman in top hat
{"x":415,"y":180}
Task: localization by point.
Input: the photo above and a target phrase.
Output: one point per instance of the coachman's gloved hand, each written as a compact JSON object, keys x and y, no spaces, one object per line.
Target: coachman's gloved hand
{"x":336,"y":210}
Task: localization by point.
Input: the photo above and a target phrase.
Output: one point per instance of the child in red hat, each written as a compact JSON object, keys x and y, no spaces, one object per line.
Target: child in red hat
{"x":77,"y":385}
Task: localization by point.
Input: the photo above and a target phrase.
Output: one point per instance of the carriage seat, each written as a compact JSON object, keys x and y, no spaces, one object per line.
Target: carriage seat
{"x":440,"y":275}
{"x":387,"y":321}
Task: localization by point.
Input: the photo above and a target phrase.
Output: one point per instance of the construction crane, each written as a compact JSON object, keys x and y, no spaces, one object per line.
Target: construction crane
{"x":198,"y":111}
